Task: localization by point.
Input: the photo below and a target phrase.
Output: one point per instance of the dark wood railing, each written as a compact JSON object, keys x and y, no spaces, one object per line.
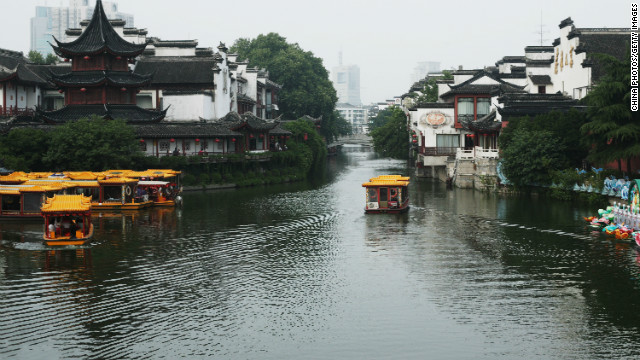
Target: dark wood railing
{"x":438,"y":151}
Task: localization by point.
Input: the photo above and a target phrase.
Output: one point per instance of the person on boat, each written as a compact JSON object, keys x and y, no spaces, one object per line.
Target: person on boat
{"x":66,"y":226}
{"x":57,"y":225}
{"x":52,"y":230}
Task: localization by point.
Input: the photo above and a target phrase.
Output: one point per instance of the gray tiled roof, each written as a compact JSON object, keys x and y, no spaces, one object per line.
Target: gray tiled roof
{"x":99,"y":36}
{"x":131,"y":113}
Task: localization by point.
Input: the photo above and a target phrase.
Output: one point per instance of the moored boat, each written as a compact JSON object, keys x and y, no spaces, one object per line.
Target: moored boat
{"x":67,"y":220}
{"x":387,"y":194}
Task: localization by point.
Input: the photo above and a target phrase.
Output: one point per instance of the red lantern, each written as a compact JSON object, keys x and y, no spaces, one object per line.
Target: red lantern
{"x":172,"y":140}
{"x":87,"y":58}
{"x":118,"y":57}
{"x":251,"y":136}
{"x":281,"y":136}
{"x":306,"y":137}
{"x":197,"y":140}
{"x":288,"y":136}
{"x":233,"y":139}
{"x":66,"y":60}
{"x":318,"y":126}
{"x":217,"y":140}
{"x":272,"y":138}
{"x":60,"y":91}
{"x":261,"y":136}
{"x":414,"y":135}
{"x":141,"y":140}
{"x":123,"y":89}
{"x":83,"y":89}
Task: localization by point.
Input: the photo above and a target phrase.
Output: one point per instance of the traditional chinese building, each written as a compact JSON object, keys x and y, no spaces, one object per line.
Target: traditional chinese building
{"x":100,"y":82}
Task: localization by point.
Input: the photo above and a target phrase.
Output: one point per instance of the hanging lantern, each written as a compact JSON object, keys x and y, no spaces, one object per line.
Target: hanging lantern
{"x":172,"y":140}
{"x":60,"y":91}
{"x":318,"y":126}
{"x":87,"y":57}
{"x":414,"y":135}
{"x":288,"y":136}
{"x":233,"y":139}
{"x":83,"y":89}
{"x":261,"y":136}
{"x":197,"y":140}
{"x":251,"y":136}
{"x":123,"y":89}
{"x":118,"y":57}
{"x":66,"y":60}
{"x":217,"y":140}
{"x":415,"y":141}
{"x":141,"y":140}
{"x":271,"y":137}
{"x":306,"y":137}
{"x":281,"y":136}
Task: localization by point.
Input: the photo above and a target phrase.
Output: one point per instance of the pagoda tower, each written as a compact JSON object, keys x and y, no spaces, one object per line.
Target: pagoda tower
{"x":100,"y":82}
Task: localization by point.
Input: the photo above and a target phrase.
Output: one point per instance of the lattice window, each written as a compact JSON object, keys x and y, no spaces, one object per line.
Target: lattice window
{"x":164,"y":145}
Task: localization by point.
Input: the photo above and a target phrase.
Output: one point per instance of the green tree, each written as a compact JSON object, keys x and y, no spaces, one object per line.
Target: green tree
{"x":311,"y":153}
{"x":22,"y":148}
{"x":563,"y":127}
{"x":35,"y":57}
{"x":430,"y":91}
{"x":530,"y":157}
{"x":612,"y":131}
{"x":92,"y":144}
{"x":51,"y":59}
{"x":306,"y":88}
{"x":334,"y":126}
{"x":391,"y":139}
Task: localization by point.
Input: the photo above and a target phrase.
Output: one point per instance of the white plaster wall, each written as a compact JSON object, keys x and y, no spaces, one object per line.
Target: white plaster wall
{"x":32,"y":94}
{"x":428,"y":131}
{"x":485,"y":80}
{"x":171,"y":51}
{"x":188,"y":107}
{"x":222,"y":81}
{"x":442,"y":88}
{"x":569,"y":78}
{"x":457,"y":79}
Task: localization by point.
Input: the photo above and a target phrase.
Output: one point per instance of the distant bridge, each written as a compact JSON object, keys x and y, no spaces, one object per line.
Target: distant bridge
{"x":358,"y":139}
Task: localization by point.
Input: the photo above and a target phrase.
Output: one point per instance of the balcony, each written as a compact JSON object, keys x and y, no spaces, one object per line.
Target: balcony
{"x":476,"y":153}
{"x":438,"y":151}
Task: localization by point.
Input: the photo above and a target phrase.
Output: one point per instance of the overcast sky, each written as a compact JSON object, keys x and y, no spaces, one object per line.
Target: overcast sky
{"x":386,"y":39}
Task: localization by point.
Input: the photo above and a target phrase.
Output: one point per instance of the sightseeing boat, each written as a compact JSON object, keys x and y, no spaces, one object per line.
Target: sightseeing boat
{"x":23,"y":201}
{"x":67,"y":220}
{"x":387,"y":194}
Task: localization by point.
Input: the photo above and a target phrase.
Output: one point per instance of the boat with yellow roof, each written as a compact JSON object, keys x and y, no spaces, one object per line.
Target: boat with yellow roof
{"x":67,"y":220}
{"x":387,"y":194}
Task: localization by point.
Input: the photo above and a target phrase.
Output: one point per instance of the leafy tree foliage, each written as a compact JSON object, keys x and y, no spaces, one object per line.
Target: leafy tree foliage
{"x":390,"y":135}
{"x":306,"y":88}
{"x":92,"y":144}
{"x":530,"y":157}
{"x":430,"y":91}
{"x":383,"y":117}
{"x":37,"y":58}
{"x":563,"y":127}
{"x":22,"y":148}
{"x":334,"y":125}
{"x":311,"y":153}
{"x":612,"y":131}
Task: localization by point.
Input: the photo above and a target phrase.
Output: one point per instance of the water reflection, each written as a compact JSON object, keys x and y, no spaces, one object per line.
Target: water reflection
{"x":299,"y":271}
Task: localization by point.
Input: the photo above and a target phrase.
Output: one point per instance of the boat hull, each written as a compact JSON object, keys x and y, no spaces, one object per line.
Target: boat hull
{"x":66,"y":240}
{"x":387,"y":211}
{"x":118,"y":206}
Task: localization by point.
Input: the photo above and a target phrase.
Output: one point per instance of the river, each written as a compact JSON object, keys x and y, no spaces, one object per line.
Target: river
{"x":298,"y":271}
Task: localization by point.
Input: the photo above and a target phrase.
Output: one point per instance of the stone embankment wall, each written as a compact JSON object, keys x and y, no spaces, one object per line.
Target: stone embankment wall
{"x":479,"y":173}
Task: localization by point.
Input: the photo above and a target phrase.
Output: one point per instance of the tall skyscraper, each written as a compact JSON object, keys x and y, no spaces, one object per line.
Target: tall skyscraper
{"x":423,"y":68}
{"x":54,"y":21}
{"x":346,"y":81}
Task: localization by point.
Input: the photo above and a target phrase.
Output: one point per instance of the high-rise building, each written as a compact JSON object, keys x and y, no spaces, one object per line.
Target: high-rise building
{"x":346,"y":81}
{"x":54,"y":21}
{"x":423,"y":68}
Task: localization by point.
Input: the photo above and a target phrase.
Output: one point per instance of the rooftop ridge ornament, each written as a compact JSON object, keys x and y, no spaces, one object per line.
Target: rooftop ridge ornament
{"x":99,"y":36}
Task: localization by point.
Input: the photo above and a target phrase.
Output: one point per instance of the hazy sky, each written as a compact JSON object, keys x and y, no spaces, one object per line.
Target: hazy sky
{"x":386,"y":39}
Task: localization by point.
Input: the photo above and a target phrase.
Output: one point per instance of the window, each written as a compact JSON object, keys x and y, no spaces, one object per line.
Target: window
{"x":483,"y":105}
{"x":542,"y":89}
{"x":465,"y":108}
{"x":143,"y":146}
{"x":164,"y":145}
